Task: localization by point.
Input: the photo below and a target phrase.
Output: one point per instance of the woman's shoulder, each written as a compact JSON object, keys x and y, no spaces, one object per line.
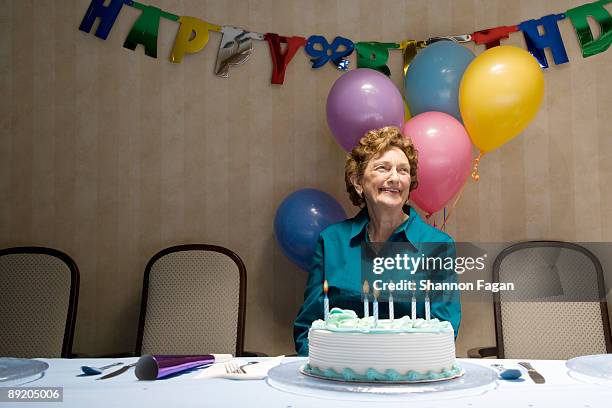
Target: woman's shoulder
{"x":345,"y":227}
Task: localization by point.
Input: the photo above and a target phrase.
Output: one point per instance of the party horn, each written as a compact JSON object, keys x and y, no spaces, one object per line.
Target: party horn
{"x":150,"y":367}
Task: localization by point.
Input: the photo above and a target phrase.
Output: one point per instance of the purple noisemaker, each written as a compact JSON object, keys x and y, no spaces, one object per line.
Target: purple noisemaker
{"x":154,"y":367}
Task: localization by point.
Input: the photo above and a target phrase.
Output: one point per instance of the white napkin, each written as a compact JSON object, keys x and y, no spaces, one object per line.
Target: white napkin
{"x":253,"y":371}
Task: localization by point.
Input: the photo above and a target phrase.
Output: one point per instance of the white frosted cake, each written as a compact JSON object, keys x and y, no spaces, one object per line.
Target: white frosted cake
{"x":346,"y":347}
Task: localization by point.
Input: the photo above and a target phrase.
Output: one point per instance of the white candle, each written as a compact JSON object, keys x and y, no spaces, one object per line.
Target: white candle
{"x":375,"y":306}
{"x":391,"y":308}
{"x":427,"y":307}
{"x":325,"y":301}
{"x":413,"y":314}
{"x":366,"y":303}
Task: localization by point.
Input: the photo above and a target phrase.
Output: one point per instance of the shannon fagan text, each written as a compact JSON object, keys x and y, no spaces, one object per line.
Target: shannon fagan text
{"x":426,"y":285}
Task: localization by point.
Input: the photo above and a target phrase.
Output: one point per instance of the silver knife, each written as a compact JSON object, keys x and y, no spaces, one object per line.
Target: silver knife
{"x":117,"y":372}
{"x":535,"y":376}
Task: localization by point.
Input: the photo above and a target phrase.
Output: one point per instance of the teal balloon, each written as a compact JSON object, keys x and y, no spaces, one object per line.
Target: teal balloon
{"x":300,"y":219}
{"x":433,"y":78}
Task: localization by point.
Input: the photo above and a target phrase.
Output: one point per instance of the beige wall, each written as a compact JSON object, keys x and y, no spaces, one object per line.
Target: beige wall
{"x":110,"y":155}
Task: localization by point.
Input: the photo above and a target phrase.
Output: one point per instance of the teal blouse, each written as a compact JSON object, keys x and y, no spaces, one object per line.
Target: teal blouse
{"x":337,"y":258}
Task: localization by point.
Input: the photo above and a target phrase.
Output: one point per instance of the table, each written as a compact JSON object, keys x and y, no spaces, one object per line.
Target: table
{"x":560,"y":390}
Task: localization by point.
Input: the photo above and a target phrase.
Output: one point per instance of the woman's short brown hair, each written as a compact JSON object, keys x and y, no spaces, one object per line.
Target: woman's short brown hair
{"x":373,"y":144}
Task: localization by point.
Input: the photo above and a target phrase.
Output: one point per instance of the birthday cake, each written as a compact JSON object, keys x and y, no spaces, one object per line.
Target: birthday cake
{"x":349,"y":348}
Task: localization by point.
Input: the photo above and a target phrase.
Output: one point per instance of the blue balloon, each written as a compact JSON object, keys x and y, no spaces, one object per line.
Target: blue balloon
{"x":433,"y":78}
{"x":299,"y":220}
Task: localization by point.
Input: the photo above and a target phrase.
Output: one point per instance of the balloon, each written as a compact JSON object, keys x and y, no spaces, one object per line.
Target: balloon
{"x":500,"y":93}
{"x":445,"y":155}
{"x":299,"y":220}
{"x":362,"y":100}
{"x":433,"y":77}
{"x":407,"y":114}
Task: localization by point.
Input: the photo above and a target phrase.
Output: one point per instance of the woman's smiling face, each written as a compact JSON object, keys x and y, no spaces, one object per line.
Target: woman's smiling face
{"x":386,"y":180}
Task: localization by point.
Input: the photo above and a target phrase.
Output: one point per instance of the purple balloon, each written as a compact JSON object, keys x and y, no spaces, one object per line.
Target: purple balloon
{"x":362,"y":100}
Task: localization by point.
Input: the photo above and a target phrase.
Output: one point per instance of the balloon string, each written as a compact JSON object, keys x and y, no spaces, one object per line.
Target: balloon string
{"x":475,"y":174}
{"x":430,"y":219}
{"x":450,"y":211}
{"x":444,"y":218}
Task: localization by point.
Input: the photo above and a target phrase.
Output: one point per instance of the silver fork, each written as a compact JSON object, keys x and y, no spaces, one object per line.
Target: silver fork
{"x":231,"y":367}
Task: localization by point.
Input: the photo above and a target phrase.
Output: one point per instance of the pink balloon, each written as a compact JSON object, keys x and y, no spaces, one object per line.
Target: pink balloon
{"x":362,"y":100}
{"x":445,"y":157}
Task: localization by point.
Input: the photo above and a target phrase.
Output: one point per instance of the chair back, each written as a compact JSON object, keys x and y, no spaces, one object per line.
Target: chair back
{"x":559,"y":309}
{"x":38,"y":302}
{"x":193,"y":302}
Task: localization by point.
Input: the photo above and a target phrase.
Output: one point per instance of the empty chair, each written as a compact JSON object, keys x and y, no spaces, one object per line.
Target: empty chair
{"x":558,"y":308}
{"x":193,"y":302}
{"x":38,"y":303}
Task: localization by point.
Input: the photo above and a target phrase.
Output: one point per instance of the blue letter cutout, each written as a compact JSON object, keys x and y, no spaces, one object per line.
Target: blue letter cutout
{"x":536,"y":43}
{"x":326,"y":52}
{"x":107,"y":14}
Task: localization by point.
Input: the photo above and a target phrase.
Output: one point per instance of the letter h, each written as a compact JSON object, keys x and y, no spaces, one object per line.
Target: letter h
{"x":106,"y":14}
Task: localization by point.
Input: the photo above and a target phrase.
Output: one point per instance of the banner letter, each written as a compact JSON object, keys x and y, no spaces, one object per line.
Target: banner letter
{"x":374,"y":55}
{"x":579,"y":15}
{"x":184,"y":43}
{"x":491,"y":37}
{"x":106,"y":14}
{"x":280,"y":59}
{"x":551,"y":38}
{"x":145,"y":29}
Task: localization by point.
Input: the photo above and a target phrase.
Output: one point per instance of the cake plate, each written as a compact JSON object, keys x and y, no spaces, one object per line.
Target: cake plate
{"x":593,"y":369}
{"x":289,"y":378}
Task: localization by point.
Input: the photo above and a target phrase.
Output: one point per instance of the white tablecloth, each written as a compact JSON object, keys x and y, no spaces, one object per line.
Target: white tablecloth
{"x":560,"y":390}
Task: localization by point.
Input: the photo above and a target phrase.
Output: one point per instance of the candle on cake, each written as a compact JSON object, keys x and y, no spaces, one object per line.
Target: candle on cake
{"x":391,"y":307}
{"x":375,"y":307}
{"x":366,"y":303}
{"x":413,"y":314}
{"x":325,"y":301}
{"x":427,"y":306}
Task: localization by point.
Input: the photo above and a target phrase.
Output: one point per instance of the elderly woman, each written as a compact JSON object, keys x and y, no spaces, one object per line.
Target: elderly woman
{"x":380,"y":173}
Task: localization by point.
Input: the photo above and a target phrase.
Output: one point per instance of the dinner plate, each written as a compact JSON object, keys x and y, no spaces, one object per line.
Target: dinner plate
{"x":476,"y":380}
{"x":20,"y":371}
{"x":596,"y":368}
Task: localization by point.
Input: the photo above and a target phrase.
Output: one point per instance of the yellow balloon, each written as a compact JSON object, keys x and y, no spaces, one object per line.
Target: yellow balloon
{"x":500,"y":93}
{"x":407,"y":114}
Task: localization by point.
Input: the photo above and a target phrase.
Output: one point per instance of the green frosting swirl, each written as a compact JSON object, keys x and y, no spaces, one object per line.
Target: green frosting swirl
{"x":341,"y":320}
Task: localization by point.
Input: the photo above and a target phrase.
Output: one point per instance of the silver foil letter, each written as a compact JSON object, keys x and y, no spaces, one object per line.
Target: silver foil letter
{"x":235,"y":48}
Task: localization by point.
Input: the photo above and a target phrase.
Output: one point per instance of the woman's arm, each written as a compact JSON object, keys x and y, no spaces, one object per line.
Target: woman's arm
{"x":312,"y":308}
